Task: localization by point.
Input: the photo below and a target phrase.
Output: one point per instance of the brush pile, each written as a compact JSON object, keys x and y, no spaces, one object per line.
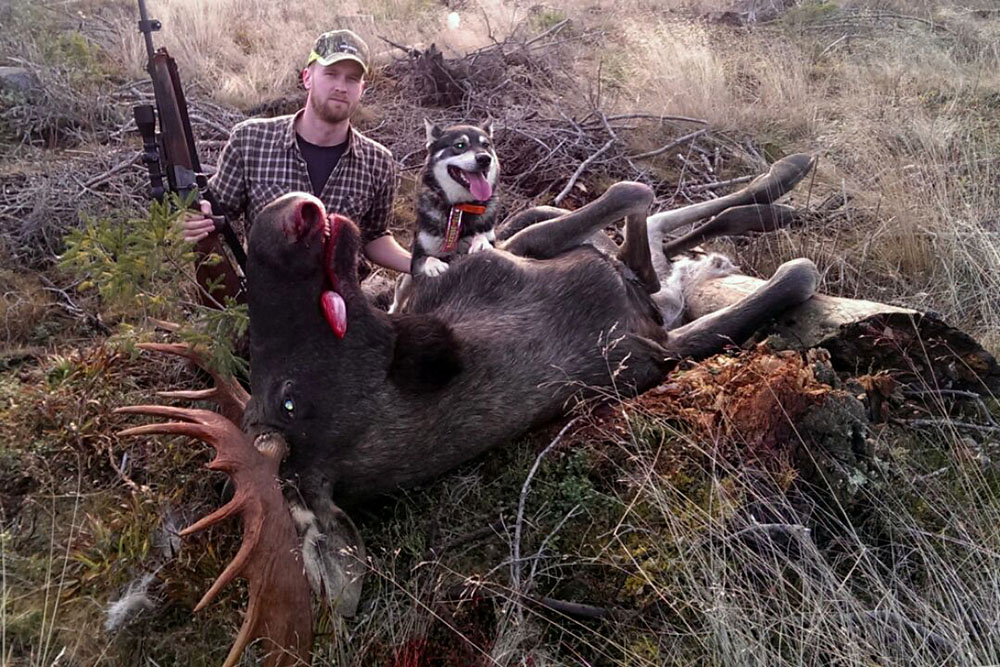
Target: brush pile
{"x":556,"y":144}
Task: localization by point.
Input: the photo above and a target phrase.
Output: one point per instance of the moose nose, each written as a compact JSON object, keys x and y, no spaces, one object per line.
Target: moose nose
{"x":483,"y":160}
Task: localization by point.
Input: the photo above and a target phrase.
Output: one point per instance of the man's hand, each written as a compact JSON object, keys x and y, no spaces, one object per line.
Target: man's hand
{"x":385,"y":251}
{"x":196,"y":226}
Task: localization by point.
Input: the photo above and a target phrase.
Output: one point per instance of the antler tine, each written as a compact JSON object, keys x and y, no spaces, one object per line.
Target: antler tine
{"x":228,"y":393}
{"x":279,"y":610}
{"x":190,"y":394}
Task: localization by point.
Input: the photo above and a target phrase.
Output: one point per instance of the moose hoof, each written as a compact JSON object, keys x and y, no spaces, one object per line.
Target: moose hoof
{"x":797,"y":280}
{"x":333,"y":554}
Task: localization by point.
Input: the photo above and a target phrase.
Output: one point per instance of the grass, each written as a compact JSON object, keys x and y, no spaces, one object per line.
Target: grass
{"x":701,"y":558}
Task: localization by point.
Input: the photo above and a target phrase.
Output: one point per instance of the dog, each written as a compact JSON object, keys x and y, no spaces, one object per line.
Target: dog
{"x":456,"y":201}
{"x":456,"y":206}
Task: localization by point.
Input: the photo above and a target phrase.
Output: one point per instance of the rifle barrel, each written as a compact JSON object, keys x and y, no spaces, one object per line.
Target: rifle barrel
{"x":145,"y":27}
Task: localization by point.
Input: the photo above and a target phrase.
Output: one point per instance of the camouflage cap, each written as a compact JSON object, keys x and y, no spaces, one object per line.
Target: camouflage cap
{"x":338,"y":45}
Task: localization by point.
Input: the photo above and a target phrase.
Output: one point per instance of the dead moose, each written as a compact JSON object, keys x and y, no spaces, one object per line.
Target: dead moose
{"x":349,"y":402}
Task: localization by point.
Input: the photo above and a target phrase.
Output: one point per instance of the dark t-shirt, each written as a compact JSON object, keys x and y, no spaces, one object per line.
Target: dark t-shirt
{"x":321,"y":161}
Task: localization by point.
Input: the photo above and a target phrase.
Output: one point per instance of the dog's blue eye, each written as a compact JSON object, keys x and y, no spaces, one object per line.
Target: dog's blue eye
{"x":460,"y":145}
{"x":288,"y":405}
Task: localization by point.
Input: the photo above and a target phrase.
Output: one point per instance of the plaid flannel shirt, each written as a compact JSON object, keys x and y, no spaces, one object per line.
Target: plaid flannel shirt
{"x":262,"y":161}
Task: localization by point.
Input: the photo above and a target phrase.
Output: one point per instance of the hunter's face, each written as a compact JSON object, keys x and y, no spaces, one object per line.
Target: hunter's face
{"x":335,"y":90}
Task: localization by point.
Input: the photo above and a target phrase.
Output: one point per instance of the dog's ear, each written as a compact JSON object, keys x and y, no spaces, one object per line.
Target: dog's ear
{"x":433,"y":132}
{"x":487,"y":127}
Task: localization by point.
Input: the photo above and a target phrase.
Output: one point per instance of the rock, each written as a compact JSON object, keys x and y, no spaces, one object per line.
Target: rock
{"x":17,"y":79}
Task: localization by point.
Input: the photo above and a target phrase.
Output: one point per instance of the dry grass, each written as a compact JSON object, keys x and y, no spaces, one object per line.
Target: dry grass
{"x":904,"y":116}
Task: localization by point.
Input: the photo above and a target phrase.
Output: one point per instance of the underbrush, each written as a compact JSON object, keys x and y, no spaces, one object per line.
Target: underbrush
{"x":638,"y":544}
{"x":634,"y":542}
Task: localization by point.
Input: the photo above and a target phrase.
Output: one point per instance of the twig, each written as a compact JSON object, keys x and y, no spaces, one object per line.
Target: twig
{"x":629,"y":116}
{"x":553,"y":30}
{"x":812,"y":182}
{"x":435,"y":552}
{"x":720,"y":184}
{"x":944,"y":423}
{"x":408,"y":50}
{"x":539,"y":163}
{"x":671,"y":145}
{"x":121,"y":166}
{"x":552,"y":533}
{"x":832,"y":44}
{"x":218,"y":127}
{"x":128,"y":481}
{"x":798,"y":531}
{"x":515,"y":565}
{"x":942,"y":392}
{"x":575,"y":609}
{"x":957,"y":393}
{"x":579,"y":170}
{"x":68,"y":305}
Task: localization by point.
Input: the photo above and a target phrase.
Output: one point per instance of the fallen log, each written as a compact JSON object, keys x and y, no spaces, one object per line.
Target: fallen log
{"x":866,"y":336}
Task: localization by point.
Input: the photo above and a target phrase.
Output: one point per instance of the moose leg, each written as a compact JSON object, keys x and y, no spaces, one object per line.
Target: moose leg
{"x":526,"y":218}
{"x":536,"y":214}
{"x":543,"y":240}
{"x":634,"y":252}
{"x":793,"y":283}
{"x":332,"y":549}
{"x":766,"y":188}
{"x":734,"y":221}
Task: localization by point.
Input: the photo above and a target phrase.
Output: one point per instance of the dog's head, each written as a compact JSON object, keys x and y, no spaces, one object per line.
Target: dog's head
{"x":462,"y":161}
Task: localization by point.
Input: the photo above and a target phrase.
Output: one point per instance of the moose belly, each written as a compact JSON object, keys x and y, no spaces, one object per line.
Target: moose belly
{"x":524,"y":356}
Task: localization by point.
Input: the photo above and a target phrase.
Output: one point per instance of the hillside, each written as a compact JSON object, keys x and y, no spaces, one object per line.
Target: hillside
{"x":676,"y":528}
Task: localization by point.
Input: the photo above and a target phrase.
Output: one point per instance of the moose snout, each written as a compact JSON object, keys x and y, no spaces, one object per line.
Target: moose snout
{"x":483,"y":160}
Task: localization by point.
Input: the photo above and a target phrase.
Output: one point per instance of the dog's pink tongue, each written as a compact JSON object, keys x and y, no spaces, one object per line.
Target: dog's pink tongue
{"x":335,"y":312}
{"x":479,"y":186}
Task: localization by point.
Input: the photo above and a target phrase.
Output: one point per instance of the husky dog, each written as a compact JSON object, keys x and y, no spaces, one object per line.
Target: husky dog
{"x":456,"y":207}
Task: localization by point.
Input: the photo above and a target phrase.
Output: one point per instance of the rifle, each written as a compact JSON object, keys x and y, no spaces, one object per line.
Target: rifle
{"x":172,"y":152}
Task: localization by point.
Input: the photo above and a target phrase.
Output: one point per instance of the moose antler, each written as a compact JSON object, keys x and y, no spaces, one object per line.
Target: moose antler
{"x":269,"y":557}
{"x":230,"y":395}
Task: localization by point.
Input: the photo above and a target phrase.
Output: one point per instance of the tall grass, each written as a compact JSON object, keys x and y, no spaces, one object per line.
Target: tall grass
{"x":912,"y":583}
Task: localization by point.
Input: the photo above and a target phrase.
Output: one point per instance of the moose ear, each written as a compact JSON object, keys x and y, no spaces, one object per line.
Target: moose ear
{"x":426,"y":354}
{"x":487,"y":127}
{"x":433,"y":132}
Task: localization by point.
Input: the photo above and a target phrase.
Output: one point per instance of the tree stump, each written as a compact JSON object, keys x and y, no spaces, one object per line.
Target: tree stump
{"x":866,"y":336}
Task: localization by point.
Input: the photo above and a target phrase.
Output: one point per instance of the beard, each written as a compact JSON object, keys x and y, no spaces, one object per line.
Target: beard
{"x":331,"y":113}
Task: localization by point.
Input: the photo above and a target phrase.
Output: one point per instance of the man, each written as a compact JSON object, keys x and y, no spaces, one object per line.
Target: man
{"x":315,"y":150}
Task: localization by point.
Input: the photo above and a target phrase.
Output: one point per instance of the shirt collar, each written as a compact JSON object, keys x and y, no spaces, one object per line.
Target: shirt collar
{"x":290,"y":143}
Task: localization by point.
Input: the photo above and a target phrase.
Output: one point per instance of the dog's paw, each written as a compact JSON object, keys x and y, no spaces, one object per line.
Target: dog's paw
{"x":479,"y":242}
{"x":434,"y":267}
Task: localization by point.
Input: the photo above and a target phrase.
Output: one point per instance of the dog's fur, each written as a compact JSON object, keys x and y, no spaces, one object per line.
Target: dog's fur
{"x":454,"y":153}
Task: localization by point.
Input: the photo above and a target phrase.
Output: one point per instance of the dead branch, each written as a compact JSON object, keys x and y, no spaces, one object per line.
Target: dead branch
{"x":579,"y":170}
{"x":673,"y":144}
{"x":720,"y":184}
{"x":121,"y":166}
